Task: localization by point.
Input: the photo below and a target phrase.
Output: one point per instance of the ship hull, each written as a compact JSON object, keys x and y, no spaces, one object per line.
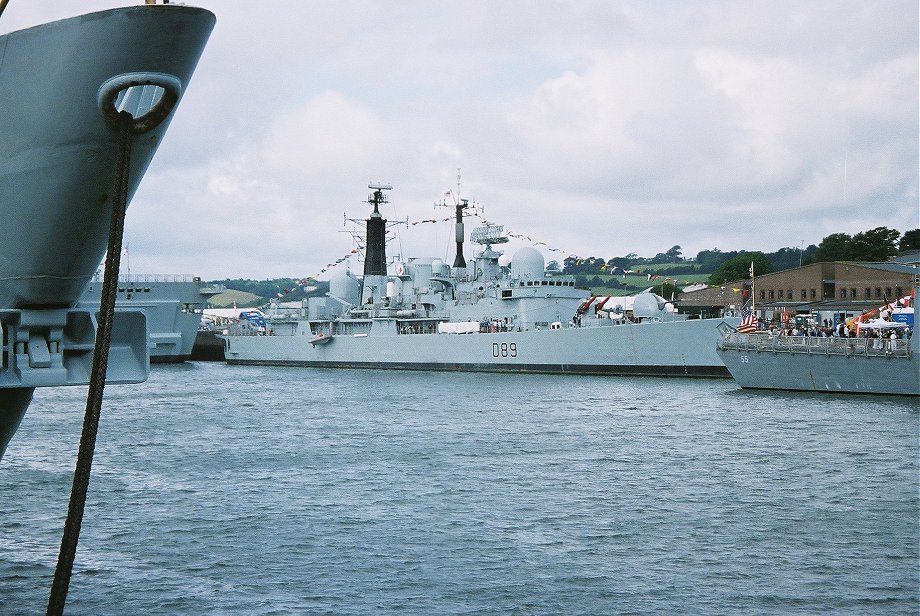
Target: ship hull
{"x":681,"y":348}
{"x":57,"y":167}
{"x":823,"y":365}
{"x":171,"y":330}
{"x":60,"y":83}
{"x":172,"y":307}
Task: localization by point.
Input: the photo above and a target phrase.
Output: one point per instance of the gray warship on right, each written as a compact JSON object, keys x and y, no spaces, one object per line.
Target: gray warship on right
{"x":421,"y":314}
{"x":760,"y":360}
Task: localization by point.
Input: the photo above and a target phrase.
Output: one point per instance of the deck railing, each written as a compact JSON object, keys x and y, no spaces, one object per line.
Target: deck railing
{"x":879,"y":347}
{"x":135,"y":278}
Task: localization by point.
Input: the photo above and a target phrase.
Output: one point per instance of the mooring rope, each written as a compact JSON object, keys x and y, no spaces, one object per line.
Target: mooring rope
{"x":81,"y":475}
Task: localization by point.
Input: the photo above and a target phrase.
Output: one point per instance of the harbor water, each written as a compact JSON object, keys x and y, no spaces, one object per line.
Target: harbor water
{"x":250,"y":490}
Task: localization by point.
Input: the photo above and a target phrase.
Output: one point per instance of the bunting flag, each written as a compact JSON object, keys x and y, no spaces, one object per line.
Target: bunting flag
{"x":875,"y":312}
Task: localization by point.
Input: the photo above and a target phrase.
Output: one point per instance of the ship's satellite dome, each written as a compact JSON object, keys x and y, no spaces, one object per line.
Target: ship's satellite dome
{"x":344,"y":286}
{"x":648,"y":305}
{"x":527,"y":263}
{"x":504,"y":260}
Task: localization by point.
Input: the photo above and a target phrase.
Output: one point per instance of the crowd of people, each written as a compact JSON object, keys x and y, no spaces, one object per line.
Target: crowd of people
{"x":844,"y":329}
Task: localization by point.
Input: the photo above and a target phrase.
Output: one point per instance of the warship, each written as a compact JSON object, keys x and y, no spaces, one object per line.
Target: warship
{"x":421,"y":314}
{"x":172,"y":306}
{"x":876,"y":365}
{"x":63,"y":87}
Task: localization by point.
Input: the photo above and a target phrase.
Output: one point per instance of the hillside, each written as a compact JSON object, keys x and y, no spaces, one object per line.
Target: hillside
{"x":240,"y":299}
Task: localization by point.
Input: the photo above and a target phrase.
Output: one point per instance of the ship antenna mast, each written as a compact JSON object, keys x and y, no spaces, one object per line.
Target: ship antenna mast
{"x":459,"y":205}
{"x":360,"y":237}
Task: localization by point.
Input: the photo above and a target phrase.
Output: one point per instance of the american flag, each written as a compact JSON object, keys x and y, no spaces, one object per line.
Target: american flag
{"x":748,"y":321}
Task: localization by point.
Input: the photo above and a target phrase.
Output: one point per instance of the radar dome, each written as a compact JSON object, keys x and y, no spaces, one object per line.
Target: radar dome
{"x":648,"y":305}
{"x":527,"y":263}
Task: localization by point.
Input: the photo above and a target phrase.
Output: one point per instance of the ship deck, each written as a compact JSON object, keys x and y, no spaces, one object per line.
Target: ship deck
{"x":808,"y":345}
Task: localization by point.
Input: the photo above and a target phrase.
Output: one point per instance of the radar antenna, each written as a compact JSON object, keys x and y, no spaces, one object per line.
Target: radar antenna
{"x":377,"y":197}
{"x":489,"y":234}
{"x":358,"y":228}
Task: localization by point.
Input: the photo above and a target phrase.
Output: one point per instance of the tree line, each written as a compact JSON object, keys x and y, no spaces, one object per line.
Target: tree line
{"x":287,"y":288}
{"x":874,"y":245}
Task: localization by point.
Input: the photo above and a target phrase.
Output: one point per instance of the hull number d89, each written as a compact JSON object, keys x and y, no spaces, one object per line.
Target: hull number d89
{"x":504,"y":349}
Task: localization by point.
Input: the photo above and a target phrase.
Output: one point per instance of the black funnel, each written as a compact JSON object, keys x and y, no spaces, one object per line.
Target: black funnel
{"x":375,"y":260}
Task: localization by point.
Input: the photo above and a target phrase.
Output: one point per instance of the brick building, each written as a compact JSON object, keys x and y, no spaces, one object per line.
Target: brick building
{"x":826,"y":291}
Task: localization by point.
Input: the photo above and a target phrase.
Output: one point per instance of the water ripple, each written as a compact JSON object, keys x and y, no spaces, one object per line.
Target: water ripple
{"x":275,"y":491}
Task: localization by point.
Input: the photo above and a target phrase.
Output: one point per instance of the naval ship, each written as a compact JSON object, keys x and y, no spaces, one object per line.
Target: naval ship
{"x":63,"y":85}
{"x":833,"y":364}
{"x":172,"y":306}
{"x":421,"y":314}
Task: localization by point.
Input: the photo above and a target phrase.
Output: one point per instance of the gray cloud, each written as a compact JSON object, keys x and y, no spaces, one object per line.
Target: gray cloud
{"x":601,"y":128}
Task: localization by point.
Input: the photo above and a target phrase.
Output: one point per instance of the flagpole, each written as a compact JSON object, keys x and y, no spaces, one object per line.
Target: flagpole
{"x":753,"y":311}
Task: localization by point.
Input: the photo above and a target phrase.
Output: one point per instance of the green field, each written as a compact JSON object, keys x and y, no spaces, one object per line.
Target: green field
{"x":241,"y":299}
{"x":631,"y":284}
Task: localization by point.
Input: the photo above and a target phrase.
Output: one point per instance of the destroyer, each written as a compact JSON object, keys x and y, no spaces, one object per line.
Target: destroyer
{"x":832,"y":364}
{"x":62,"y":85}
{"x":424,"y":315}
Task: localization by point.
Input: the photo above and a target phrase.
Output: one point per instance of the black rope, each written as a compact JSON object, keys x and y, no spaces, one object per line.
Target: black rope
{"x":81,"y":474}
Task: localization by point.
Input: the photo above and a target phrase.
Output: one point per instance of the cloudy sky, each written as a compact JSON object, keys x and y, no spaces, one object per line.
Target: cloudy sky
{"x":601,"y":128}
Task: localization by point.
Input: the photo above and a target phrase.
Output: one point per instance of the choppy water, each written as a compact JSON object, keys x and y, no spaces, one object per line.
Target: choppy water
{"x":238,"y":490}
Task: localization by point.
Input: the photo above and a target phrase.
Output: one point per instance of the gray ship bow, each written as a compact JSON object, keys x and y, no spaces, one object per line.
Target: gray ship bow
{"x":61,"y":85}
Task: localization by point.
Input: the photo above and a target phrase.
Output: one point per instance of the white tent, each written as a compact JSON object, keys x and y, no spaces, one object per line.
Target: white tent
{"x":882,"y":324}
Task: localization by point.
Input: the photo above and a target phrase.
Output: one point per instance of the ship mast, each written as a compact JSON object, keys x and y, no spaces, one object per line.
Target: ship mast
{"x":459,"y":261}
{"x":459,"y":230}
{"x":375,"y":257}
